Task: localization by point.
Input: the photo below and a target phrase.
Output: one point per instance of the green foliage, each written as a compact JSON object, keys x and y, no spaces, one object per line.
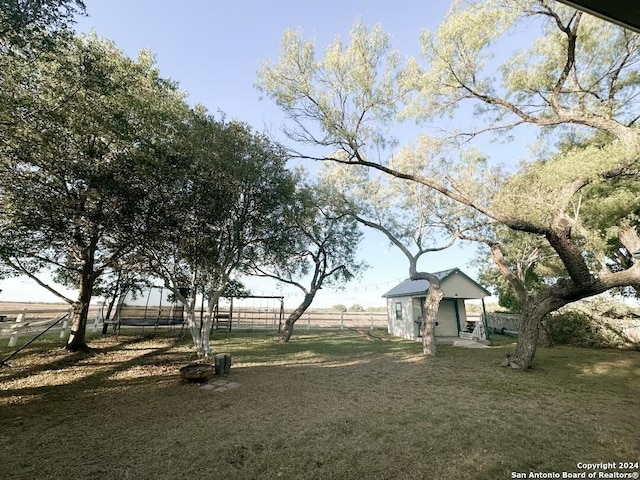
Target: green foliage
{"x":574,"y":327}
{"x":349,"y":92}
{"x":320,"y":249}
{"x":235,"y":288}
{"x":547,"y":186}
{"x":339,"y":307}
{"x":79,"y":156}
{"x":573,"y":203}
{"x":223,"y":207}
{"x":105,"y":169}
{"x":28,"y":27}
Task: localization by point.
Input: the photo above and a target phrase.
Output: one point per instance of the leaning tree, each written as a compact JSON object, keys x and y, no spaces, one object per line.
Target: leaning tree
{"x":319,"y":251}
{"x":578,"y":76}
{"x":413,"y":219}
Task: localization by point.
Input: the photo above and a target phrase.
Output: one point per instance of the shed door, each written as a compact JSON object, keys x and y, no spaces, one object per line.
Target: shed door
{"x":447,"y":321}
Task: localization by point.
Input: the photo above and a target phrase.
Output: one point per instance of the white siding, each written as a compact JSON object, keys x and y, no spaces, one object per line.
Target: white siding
{"x":403,"y":327}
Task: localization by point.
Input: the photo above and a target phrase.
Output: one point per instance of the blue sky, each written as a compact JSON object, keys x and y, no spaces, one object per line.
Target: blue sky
{"x":214,"y":49}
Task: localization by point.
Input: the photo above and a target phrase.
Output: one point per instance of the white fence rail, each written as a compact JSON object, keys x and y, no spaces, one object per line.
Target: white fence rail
{"x":342,"y":320}
{"x":27,"y":322}
{"x":310,"y":319}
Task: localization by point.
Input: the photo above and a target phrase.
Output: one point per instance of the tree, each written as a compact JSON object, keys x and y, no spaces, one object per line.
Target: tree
{"x":28,"y":27}
{"x":77,"y":161}
{"x":412,"y":219}
{"x":352,"y":93}
{"x":554,"y":85}
{"x":579,"y":76}
{"x":222,"y":210}
{"x":528,"y":257}
{"x":30,"y":31}
{"x":322,"y":247}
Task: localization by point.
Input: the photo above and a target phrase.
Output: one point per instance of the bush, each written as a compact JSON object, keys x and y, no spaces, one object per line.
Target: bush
{"x":572,"y":327}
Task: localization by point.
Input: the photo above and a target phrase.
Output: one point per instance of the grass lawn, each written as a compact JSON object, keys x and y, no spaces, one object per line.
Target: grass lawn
{"x":330,"y":405}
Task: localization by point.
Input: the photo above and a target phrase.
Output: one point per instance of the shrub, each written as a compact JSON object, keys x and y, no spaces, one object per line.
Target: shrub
{"x":573,"y":327}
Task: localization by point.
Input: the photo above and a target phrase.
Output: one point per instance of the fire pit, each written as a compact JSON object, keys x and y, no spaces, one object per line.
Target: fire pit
{"x":197,"y":372}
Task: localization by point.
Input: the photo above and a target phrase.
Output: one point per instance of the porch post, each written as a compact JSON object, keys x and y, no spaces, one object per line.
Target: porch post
{"x":457,"y":310}
{"x":484,"y":320}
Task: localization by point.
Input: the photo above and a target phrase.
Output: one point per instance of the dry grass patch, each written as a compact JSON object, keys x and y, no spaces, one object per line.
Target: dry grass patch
{"x":328,"y":405}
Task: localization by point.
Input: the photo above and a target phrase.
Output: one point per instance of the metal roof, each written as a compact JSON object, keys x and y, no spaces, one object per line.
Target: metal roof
{"x":410,"y":287}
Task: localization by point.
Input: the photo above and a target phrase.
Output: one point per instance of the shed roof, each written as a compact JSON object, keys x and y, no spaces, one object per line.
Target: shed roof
{"x":410,"y":288}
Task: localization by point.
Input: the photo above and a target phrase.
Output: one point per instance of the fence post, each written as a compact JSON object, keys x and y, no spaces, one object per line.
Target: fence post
{"x":14,"y":336}
{"x":96,"y":320}
{"x":371,"y":320}
{"x":308,"y":321}
{"x":341,"y":320}
{"x":65,"y":323}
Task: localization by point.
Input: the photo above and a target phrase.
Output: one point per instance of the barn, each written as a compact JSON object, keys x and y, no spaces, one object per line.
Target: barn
{"x":405,"y":303}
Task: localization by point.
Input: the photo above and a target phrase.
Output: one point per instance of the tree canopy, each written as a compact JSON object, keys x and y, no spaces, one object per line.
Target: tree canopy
{"x":222,"y":211}
{"x":77,"y":162}
{"x":28,"y":27}
{"x":579,"y":76}
{"x":320,"y":250}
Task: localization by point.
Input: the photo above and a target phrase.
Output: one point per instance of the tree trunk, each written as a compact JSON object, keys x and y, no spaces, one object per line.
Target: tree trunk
{"x":430,"y":312}
{"x":527,"y":343}
{"x":205,"y":334}
{"x":114,"y":296}
{"x":195,"y":330}
{"x":533,"y":311}
{"x":205,"y":339}
{"x":77,"y":337}
{"x":199,"y":334}
{"x":287,"y":330}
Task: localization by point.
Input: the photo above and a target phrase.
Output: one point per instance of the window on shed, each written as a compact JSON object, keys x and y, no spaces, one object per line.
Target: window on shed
{"x":399,"y":310}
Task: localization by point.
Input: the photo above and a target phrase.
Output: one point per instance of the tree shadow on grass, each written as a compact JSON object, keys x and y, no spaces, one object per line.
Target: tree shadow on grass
{"x":337,"y":406}
{"x":66,"y":372}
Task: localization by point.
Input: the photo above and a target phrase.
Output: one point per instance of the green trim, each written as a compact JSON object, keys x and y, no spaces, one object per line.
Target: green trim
{"x":484,"y":321}
{"x":457,"y":310}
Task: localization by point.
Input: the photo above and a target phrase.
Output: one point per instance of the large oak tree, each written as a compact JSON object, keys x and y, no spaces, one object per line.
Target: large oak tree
{"x":83,"y":131}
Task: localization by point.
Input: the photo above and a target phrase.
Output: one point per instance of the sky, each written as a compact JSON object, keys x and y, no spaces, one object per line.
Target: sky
{"x":213,"y":49}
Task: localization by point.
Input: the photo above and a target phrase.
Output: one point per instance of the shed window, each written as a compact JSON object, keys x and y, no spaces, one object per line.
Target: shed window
{"x":399,"y":310}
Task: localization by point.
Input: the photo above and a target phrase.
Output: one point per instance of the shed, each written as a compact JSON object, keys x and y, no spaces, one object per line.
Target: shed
{"x":405,"y":304}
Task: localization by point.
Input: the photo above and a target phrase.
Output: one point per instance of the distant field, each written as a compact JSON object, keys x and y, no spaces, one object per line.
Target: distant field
{"x":32,"y":305}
